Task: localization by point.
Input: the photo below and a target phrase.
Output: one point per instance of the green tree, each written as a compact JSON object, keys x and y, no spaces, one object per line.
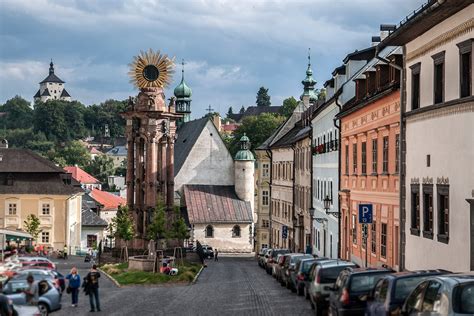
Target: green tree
{"x":106,"y":113}
{"x":32,"y":226}
{"x":179,"y":229}
{"x":101,"y":167}
{"x":17,"y":114}
{"x":289,"y":105}
{"x":50,"y":119}
{"x":242,"y":110}
{"x":73,"y":153}
{"x":263,"y":99}
{"x":157,"y":228}
{"x":230,"y":111}
{"x":124,"y":228}
{"x":122,"y":169}
{"x":322,"y":94}
{"x":257,"y":128}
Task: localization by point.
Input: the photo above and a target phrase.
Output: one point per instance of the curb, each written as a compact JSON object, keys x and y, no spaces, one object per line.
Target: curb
{"x":197,"y":275}
{"x":110,"y":277}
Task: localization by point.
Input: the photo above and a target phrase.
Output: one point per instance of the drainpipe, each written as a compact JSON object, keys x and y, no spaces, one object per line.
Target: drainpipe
{"x":293,"y":204}
{"x":269,"y":155}
{"x":339,"y":235}
{"x":311,"y":135}
{"x":401,"y":158}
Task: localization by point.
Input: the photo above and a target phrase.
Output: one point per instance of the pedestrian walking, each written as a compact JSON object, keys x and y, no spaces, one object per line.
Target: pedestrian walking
{"x":73,"y":287}
{"x":200,"y":252}
{"x":5,"y":308}
{"x":65,"y":252}
{"x":32,"y":291}
{"x":91,"y":287}
{"x":216,"y":253}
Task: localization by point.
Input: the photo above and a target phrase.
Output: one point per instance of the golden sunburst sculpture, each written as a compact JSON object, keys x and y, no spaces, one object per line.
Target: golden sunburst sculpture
{"x":151,"y":70}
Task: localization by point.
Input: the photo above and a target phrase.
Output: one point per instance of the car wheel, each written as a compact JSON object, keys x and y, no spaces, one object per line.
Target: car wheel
{"x":43,"y":309}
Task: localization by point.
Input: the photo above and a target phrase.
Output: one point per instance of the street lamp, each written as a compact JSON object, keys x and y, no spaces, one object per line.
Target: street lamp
{"x":327,"y":206}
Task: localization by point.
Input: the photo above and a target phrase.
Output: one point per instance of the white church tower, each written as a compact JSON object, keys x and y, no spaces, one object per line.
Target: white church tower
{"x":244,"y":173}
{"x":52,"y":88}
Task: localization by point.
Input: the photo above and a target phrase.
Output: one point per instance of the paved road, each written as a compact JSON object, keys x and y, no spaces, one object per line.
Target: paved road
{"x":232,"y":286}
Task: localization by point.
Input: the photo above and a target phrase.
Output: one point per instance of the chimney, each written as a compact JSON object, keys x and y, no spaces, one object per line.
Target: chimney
{"x":386,"y":30}
{"x":217,"y":122}
{"x":4,"y":143}
{"x":375,"y":40}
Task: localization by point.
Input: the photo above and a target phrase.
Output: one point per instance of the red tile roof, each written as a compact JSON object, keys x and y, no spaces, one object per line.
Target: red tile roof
{"x":230,"y":127}
{"x":95,"y":151}
{"x":108,"y":200}
{"x":215,"y":204}
{"x":81,"y":176}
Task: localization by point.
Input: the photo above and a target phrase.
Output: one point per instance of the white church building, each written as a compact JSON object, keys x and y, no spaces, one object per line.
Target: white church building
{"x":52,"y":88}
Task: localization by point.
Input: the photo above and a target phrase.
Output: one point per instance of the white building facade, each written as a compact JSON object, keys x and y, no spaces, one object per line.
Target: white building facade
{"x":52,"y":88}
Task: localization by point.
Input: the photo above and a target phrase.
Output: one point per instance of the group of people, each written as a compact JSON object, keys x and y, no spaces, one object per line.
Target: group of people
{"x":90,"y":285}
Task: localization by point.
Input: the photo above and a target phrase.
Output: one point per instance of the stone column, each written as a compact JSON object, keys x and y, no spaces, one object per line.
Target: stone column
{"x":163,"y":172}
{"x":151,"y":168}
{"x":130,"y":173}
{"x":170,"y":176}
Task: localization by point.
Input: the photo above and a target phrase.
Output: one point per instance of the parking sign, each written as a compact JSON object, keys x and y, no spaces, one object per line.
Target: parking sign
{"x":365,"y":213}
{"x":284,"y":232}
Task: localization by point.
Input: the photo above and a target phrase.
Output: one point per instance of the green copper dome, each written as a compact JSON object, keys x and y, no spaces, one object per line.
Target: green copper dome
{"x":244,"y":153}
{"x":309,"y":83}
{"x":182,"y":91}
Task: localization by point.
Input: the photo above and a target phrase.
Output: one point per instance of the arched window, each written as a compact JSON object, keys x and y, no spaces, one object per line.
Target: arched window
{"x":209,"y":231}
{"x":236,"y":231}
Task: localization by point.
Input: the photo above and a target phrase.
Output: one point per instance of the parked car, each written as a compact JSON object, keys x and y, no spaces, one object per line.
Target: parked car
{"x":276,"y":266}
{"x":261,"y":257}
{"x":447,"y":295}
{"x":41,"y":274}
{"x":208,"y":251}
{"x":41,"y":261}
{"x":349,"y":293}
{"x":294,"y":272}
{"x":271,"y":260}
{"x":266,"y":256}
{"x":49,"y":296}
{"x":324,"y":274}
{"x":289,"y":267}
{"x":390,"y":292}
{"x":26,"y":310}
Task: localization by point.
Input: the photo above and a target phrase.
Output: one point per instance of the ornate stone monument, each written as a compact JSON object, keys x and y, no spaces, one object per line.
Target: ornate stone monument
{"x":151,"y":133}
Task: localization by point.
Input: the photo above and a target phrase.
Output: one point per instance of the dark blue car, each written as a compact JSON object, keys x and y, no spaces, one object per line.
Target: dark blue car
{"x":390,"y":292}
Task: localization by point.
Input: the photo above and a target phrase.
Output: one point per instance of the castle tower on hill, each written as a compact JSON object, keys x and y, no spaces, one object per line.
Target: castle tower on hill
{"x":52,"y":88}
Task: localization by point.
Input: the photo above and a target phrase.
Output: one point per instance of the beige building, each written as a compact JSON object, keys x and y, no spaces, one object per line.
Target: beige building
{"x":437,"y":139}
{"x":262,"y":199}
{"x":30,"y":184}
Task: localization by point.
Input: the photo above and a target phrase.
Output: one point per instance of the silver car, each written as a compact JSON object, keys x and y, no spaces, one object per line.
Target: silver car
{"x":49,"y":296}
{"x":449,"y":295}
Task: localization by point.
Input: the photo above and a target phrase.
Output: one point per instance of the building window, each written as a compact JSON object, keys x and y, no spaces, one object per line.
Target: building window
{"x":236,"y":231}
{"x":465,"y":68}
{"x":45,"y":237}
{"x":265,"y":197}
{"x":383,"y":241}
{"x":91,"y":241}
{"x":330,"y":192}
{"x":317,"y":189}
{"x":373,"y":236}
{"x":45,"y":209}
{"x":443,"y":213}
{"x":397,"y":152}
{"x":354,"y":158}
{"x":265,"y":170}
{"x":415,"y":86}
{"x":347,"y":160}
{"x":209,"y":231}
{"x":428,"y":210}
{"x":364,"y":158}
{"x":438,"y":84}
{"x":374,"y":156}
{"x":12,"y":209}
{"x":354,"y":230}
{"x":265,"y":223}
{"x":385,"y":155}
{"x":415,"y":209}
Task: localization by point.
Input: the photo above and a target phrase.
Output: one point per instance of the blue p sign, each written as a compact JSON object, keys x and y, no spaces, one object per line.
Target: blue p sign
{"x":365,"y":213}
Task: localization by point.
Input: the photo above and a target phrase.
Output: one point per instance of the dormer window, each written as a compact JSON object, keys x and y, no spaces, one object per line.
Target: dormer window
{"x":360,"y":88}
{"x":382,"y":76}
{"x":370,"y":82}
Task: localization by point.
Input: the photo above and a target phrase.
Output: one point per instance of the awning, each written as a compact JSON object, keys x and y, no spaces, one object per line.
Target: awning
{"x":12,"y":235}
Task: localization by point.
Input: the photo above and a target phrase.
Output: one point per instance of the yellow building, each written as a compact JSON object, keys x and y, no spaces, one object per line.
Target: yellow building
{"x":31,"y":184}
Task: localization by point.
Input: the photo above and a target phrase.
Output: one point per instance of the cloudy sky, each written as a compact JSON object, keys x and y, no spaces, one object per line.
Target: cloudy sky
{"x":231,"y":47}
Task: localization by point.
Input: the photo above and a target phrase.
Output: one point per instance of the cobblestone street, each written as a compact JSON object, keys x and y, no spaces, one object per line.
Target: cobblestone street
{"x":232,"y":286}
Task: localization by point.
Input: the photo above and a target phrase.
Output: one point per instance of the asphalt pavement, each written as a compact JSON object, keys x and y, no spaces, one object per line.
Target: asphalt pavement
{"x":232,"y":286}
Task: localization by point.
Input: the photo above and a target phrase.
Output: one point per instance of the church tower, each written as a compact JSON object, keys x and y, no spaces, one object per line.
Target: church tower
{"x":52,"y":88}
{"x":183,"y":98}
{"x":244,"y":168}
{"x":309,"y":96}
{"x":151,"y":133}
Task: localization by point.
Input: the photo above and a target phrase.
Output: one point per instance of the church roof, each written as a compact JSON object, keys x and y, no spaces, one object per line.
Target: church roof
{"x":215,"y":204}
{"x":45,"y":93}
{"x":37,"y":95}
{"x":188,"y":133}
{"x":64,"y":94}
{"x":52,"y":78}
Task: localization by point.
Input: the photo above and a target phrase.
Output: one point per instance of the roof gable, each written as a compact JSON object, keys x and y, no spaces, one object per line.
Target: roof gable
{"x":16,"y":160}
{"x":188,"y":133}
{"x":52,"y":78}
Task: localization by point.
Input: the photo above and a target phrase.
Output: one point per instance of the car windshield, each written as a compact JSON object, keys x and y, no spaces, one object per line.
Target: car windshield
{"x":329,"y":275}
{"x":404,"y":286}
{"x":364,"y":282}
{"x":463,"y":298}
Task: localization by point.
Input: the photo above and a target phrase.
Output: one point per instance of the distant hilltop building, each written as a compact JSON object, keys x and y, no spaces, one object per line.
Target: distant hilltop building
{"x":52,"y":88}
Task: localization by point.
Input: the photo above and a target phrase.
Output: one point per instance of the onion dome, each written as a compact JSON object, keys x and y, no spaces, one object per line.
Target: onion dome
{"x":244,"y":153}
{"x":182,"y":91}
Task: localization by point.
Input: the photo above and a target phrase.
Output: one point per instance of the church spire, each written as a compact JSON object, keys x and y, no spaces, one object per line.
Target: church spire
{"x":309,"y":82}
{"x":183,"y":95}
{"x":51,"y":67}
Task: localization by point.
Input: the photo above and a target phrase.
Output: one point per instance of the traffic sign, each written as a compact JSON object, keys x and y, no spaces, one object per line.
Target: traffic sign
{"x":284,"y":232}
{"x":365,"y":213}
